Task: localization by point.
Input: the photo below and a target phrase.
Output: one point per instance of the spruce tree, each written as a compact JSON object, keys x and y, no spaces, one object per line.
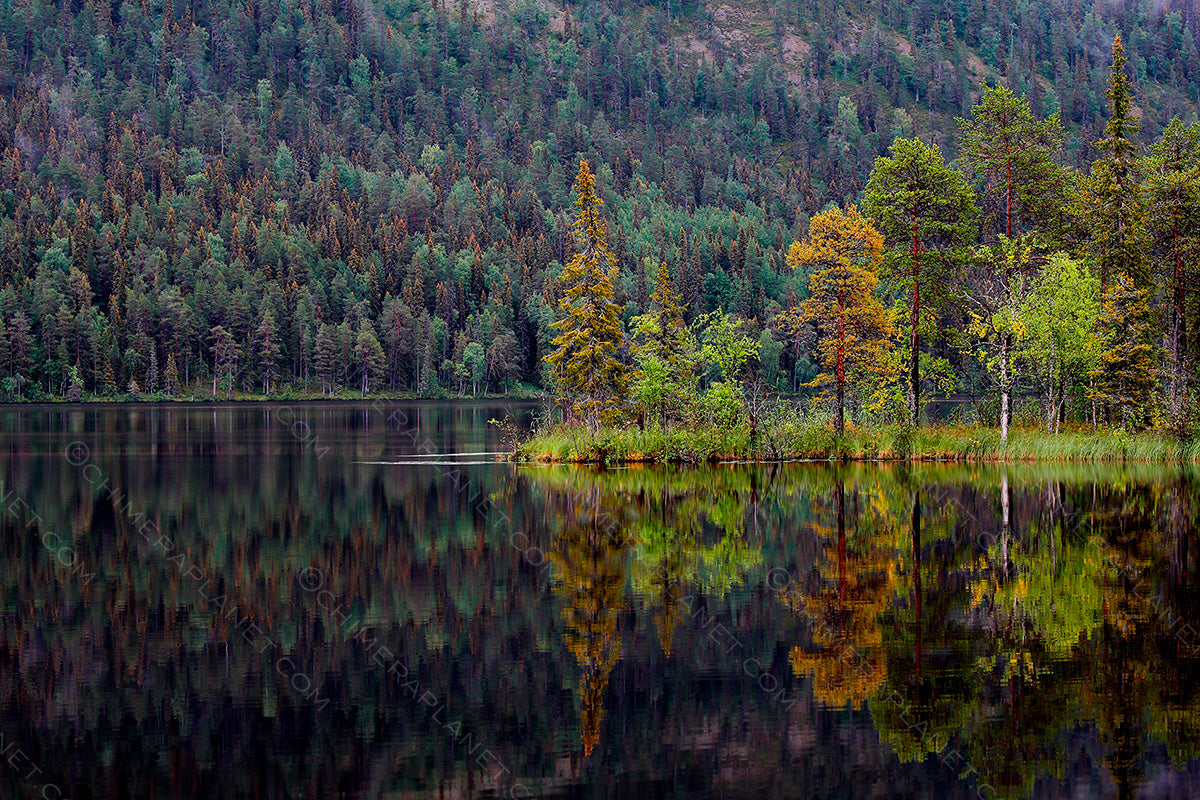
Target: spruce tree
{"x":1129,"y":354}
{"x":172,"y":376}
{"x":586,"y":363}
{"x":1113,"y":204}
{"x":1173,"y":212}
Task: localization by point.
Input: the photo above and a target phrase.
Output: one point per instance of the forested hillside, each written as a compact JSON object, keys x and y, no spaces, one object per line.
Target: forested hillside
{"x":305,"y":196}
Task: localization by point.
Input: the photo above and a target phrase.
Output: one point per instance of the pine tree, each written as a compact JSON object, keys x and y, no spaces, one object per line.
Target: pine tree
{"x":368,"y":355}
{"x":586,"y":364}
{"x":1012,"y":154}
{"x":225,"y":354}
{"x":22,"y":349}
{"x":1173,"y":210}
{"x":326,"y":357}
{"x":267,"y":350}
{"x":844,"y":250}
{"x":927,"y":214}
{"x":1129,"y":353}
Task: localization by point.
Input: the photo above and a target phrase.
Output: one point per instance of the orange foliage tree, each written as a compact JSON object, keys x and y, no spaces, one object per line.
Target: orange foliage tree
{"x":852,"y":327}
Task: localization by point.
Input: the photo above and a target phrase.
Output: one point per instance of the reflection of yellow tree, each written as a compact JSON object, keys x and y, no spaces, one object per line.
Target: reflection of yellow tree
{"x":592,"y":574}
{"x":859,"y":573}
{"x":688,"y":528}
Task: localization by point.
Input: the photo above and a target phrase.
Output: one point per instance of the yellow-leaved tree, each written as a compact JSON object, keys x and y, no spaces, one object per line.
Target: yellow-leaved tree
{"x":853,"y":329}
{"x":587,"y":366}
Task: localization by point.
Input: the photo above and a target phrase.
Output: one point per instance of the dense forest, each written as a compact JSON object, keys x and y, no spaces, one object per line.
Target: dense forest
{"x":199,"y":197}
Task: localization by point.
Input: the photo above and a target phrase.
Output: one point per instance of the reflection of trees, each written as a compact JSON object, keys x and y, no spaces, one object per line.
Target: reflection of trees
{"x":688,"y":529}
{"x":856,"y":580}
{"x":439,"y":580}
{"x":591,"y":557}
{"x":930,"y":662}
{"x":661,"y":518}
{"x":1082,"y":625}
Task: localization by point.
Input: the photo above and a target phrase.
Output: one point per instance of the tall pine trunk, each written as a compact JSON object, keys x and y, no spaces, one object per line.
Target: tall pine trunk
{"x":841,"y":365}
{"x":915,"y":363}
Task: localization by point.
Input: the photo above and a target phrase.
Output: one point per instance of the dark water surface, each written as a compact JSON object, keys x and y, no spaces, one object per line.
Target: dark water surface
{"x":297,"y":601}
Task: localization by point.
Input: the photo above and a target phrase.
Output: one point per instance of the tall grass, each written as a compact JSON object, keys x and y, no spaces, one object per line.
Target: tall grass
{"x":815,"y":439}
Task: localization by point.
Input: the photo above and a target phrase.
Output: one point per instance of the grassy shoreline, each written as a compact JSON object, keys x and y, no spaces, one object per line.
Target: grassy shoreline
{"x":818,"y":442}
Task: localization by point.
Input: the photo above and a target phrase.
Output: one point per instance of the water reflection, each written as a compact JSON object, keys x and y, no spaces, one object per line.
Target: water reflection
{"x":480,"y":630}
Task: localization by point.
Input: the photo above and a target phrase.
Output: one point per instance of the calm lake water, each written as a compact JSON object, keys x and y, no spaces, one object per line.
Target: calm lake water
{"x":271,"y":601}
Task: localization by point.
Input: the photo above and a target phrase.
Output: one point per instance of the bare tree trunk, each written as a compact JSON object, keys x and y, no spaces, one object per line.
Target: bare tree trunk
{"x":1051,"y":408}
{"x":1004,"y":389}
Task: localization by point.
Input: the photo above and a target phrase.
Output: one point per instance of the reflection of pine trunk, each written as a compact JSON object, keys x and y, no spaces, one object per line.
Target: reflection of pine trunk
{"x":840,"y":497}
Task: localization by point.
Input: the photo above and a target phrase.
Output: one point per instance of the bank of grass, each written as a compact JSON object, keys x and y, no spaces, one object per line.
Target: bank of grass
{"x":818,"y":441}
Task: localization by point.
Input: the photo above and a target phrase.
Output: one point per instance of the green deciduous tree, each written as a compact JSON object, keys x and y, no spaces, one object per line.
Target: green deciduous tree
{"x":665,"y":351}
{"x":475,"y":362}
{"x":725,"y":346}
{"x":1060,"y":345}
{"x":997,"y":300}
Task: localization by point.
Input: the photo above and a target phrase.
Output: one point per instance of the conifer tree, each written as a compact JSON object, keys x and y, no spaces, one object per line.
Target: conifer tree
{"x":927,"y":214}
{"x":1113,"y":203}
{"x":368,"y":355}
{"x":225,"y":354}
{"x":1129,"y":354}
{"x":1173,"y":211}
{"x":267,"y":350}
{"x":1012,"y":154}
{"x":845,"y":251}
{"x":326,"y":357}
{"x":110,"y":379}
{"x":172,"y":376}
{"x":152,"y":373}
{"x":587,"y":363}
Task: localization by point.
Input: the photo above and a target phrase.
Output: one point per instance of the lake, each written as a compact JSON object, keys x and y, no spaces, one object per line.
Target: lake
{"x":347,"y":600}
